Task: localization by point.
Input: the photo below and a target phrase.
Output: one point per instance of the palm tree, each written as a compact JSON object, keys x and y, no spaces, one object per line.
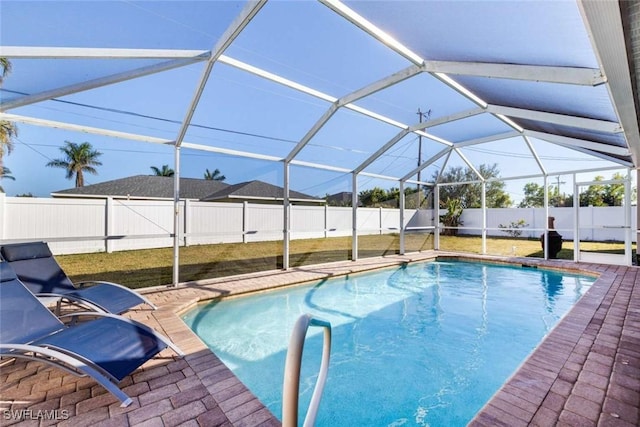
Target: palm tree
{"x":8,"y":130}
{"x":5,"y":173}
{"x":164,"y":171}
{"x":214,"y":176}
{"x":5,"y":64}
{"x":80,"y":158}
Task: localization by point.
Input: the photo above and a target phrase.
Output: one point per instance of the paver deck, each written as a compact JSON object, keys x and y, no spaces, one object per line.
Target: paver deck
{"x":585,"y":373}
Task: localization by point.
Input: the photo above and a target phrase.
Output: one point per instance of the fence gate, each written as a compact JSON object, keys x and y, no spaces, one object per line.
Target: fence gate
{"x":616,"y":227}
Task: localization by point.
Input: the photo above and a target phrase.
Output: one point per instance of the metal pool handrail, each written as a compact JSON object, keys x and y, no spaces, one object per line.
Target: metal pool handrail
{"x":291,"y":388}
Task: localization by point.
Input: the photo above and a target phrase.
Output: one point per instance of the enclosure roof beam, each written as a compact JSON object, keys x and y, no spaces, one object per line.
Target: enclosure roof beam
{"x":453,"y":117}
{"x":469,"y":164}
{"x":444,"y":165}
{"x":227,"y":60}
{"x":426,"y":163}
{"x":381,"y":150}
{"x":99,"y":82}
{"x":232,"y":32}
{"x":41,"y":52}
{"x":315,"y":93}
{"x":83,"y":129}
{"x":560,"y":119}
{"x":490,"y":138}
{"x":603,"y":156}
{"x":604,"y":24}
{"x":417,"y":128}
{"x":534,"y":153}
{"x":383,"y":37}
{"x":381,"y":84}
{"x":163,"y":141}
{"x":312,"y":132}
{"x":537,"y":73}
{"x":348,"y":99}
{"x":575,"y":142}
{"x":230,"y":152}
{"x":132,"y":137}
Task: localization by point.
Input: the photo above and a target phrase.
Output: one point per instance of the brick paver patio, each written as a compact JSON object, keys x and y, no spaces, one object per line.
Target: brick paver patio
{"x":587,"y":371}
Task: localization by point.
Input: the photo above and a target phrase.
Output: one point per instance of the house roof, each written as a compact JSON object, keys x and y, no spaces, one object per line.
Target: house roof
{"x":161,"y":187}
{"x":258,"y":190}
{"x":146,"y":186}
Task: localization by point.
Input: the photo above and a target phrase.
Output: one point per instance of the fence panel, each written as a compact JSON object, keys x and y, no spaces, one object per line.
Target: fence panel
{"x":27,"y":218}
{"x":418,"y":218}
{"x":339,"y":220}
{"x":264,"y":223}
{"x":143,"y":218}
{"x":390,"y":220}
{"x":307,"y":222}
{"x":209,"y":223}
{"x":368,"y":221}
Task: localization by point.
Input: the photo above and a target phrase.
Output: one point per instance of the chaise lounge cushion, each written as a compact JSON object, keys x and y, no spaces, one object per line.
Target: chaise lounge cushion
{"x":38,"y":270}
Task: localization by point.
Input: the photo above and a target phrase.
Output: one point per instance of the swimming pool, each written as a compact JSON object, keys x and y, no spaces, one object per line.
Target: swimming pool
{"x":423,"y":344}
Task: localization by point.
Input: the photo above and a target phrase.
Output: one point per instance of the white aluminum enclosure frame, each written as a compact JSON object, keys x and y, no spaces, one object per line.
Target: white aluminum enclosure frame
{"x":603,"y":23}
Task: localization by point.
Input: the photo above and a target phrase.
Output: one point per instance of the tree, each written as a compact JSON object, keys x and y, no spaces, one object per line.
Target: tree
{"x":533,"y":196}
{"x":164,"y":171}
{"x":79,"y":158}
{"x":594,"y":195}
{"x":5,"y":64}
{"x":470,"y":195}
{"x":214,"y":176}
{"x":452,"y":217}
{"x":613,"y":194}
{"x":372,"y":197}
{"x":604,"y":194}
{"x":5,"y":173}
{"x":8,"y":130}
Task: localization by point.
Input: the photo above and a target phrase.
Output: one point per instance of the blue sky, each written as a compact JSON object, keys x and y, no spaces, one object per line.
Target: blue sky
{"x":303,"y":41}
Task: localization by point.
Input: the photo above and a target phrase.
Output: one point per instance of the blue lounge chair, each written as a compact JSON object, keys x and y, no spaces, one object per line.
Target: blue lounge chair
{"x":107,"y":348}
{"x":39,"y":271}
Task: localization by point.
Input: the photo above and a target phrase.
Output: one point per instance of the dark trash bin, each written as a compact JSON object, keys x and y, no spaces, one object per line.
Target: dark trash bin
{"x":555,"y":240}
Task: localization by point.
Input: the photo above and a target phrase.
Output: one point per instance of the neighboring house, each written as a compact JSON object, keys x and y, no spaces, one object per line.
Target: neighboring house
{"x":152,"y":187}
{"x":260,"y":192}
{"x":343,"y":198}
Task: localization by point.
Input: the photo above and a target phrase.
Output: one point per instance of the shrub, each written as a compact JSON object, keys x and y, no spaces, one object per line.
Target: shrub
{"x":513,"y":229}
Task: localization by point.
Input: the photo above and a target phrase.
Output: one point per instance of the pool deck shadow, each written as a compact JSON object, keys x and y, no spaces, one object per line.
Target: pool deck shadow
{"x":585,"y":373}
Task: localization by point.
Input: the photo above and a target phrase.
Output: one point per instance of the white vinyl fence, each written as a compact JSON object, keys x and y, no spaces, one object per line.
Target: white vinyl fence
{"x":96,"y":225}
{"x":598,"y":224}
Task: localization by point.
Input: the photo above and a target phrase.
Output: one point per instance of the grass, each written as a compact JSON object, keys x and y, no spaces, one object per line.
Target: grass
{"x":153,"y":267}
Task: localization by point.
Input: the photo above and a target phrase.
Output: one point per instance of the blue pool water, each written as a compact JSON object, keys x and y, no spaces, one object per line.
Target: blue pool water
{"x":425,"y":344}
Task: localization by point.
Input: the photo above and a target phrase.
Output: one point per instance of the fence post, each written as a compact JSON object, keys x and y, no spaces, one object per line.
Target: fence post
{"x":326,"y":219}
{"x":402,"y":202}
{"x":187,"y":222}
{"x":245,"y":212}
{"x":436,"y":207}
{"x":380,"y":219}
{"x":108,"y":226}
{"x":3,"y":200}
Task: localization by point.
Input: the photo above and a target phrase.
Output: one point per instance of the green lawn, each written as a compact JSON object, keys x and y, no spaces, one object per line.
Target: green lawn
{"x":153,"y":267}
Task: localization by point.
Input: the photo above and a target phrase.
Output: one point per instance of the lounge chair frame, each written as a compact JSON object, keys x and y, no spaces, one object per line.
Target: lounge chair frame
{"x":44,"y":251}
{"x":42,"y":349}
